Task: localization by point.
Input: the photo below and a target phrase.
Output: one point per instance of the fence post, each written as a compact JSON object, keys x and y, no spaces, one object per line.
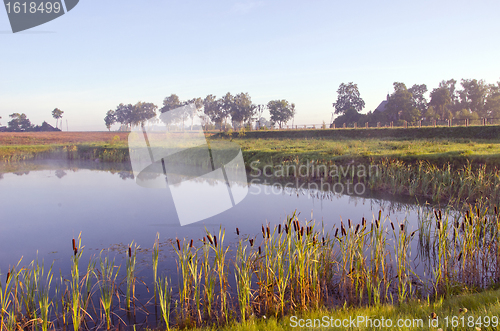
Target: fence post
{"x":378,"y":124}
{"x":420,"y":123}
{"x":355,"y":125}
{"x":333,"y":127}
{"x":405,"y":124}
{"x":343,"y":126}
{"x":392,"y":123}
{"x":484,"y":121}
{"x":434,"y":123}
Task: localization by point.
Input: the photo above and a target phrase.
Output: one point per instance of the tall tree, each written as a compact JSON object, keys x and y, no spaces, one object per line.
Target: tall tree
{"x":418,"y":97}
{"x":213,"y":109}
{"x":143,"y":111}
{"x":400,"y":105}
{"x":243,"y":110}
{"x":492,"y":104}
{"x":124,"y":114}
{"x":348,"y":99}
{"x":19,"y":122}
{"x":473,"y":96}
{"x":110,"y":119}
{"x":281,"y":111}
{"x":440,"y":101}
{"x":57,"y":114}
{"x":170,"y":102}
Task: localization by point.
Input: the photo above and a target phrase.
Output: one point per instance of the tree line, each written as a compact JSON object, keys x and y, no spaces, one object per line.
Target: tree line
{"x":222,"y":113}
{"x":473,"y":99}
{"x":19,"y":122}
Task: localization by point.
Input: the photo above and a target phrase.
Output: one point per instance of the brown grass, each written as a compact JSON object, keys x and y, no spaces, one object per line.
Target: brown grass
{"x":48,"y":138}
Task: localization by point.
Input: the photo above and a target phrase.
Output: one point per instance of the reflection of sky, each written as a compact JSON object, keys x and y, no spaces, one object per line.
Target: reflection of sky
{"x":41,"y":212}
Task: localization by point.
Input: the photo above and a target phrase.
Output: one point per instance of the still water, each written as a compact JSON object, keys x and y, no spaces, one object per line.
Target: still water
{"x":43,"y":209}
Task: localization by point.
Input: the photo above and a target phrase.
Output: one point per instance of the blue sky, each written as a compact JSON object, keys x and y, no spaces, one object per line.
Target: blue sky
{"x":103,"y":53}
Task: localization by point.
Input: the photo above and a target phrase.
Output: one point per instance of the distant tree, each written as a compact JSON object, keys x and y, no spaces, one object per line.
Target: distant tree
{"x":143,"y":111}
{"x":493,"y":100}
{"x":57,"y":114}
{"x":170,"y":102}
{"x":198,"y":107}
{"x":430,"y":114}
{"x":243,"y":110}
{"x":214,"y":110}
{"x":419,"y":101}
{"x":110,"y":119}
{"x":450,"y":84}
{"x":281,"y":111}
{"x":440,"y":101}
{"x":400,"y":105}
{"x":473,"y":96}
{"x":348,"y":99}
{"x":19,"y":122}
{"x":124,"y":114}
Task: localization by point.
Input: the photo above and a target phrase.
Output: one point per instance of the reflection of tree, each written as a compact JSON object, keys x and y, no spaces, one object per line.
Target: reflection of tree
{"x":60,"y":173}
{"x":126,"y":175}
{"x":20,"y":173}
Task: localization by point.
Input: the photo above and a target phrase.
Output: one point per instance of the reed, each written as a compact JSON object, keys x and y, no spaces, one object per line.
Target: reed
{"x":165,"y":298}
{"x":43,"y":282}
{"x":155,"y":253}
{"x":76,"y":308}
{"x":107,"y":286}
{"x":243,"y":276}
{"x":131,"y":264}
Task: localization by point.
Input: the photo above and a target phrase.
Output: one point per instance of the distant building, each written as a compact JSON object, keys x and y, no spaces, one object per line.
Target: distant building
{"x":382,"y":107}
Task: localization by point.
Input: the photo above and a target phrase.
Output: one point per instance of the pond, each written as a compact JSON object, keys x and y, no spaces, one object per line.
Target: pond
{"x":46,"y":204}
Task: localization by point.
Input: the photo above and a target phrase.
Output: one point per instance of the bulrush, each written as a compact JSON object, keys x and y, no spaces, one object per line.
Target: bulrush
{"x":402,"y":227}
{"x":268,"y":232}
{"x":392,"y":226}
{"x":74,"y":246}
{"x":210,"y":239}
{"x":191,"y":243}
{"x":130,"y":251}
{"x":178,"y":244}
{"x":357,"y":229}
{"x":237,"y":231}
{"x":336,"y":232}
{"x":215,"y":241}
{"x":251,"y":242}
{"x":263,"y":232}
{"x":279,"y":228}
{"x":349,"y":222}
{"x":286,"y":228}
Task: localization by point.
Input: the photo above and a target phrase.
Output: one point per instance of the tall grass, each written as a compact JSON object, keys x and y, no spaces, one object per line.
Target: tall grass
{"x":290,"y":267}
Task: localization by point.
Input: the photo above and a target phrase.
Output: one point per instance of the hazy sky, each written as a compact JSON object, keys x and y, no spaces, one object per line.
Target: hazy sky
{"x":103,"y":53}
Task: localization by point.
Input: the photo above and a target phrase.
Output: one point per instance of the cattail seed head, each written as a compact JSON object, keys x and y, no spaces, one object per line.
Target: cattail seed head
{"x":191,"y":243}
{"x":436,"y":214}
{"x":440,"y":216}
{"x":439,"y":225}
{"x":260,"y":252}
{"x":349,"y":222}
{"x":237,"y":231}
{"x":379,"y":214}
{"x":251,"y":242}
{"x":336,"y":232}
{"x":74,"y":246}
{"x":178,"y":243}
{"x":302,"y":231}
{"x":129,"y":251}
{"x":402,"y":227}
{"x":357,"y":228}
{"x":8,"y":276}
{"x":215,"y":241}
{"x":263,"y":232}
{"x":286,"y":228}
{"x":323,"y":239}
{"x":76,"y":250}
{"x":279,"y":228}
{"x":392,"y":226}
{"x":377,"y":223}
{"x":268,"y":232}
{"x":210,"y":239}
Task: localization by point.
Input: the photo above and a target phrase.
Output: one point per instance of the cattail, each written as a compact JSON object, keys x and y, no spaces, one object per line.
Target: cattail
{"x":343,"y":232}
{"x":336,"y":232}
{"x":130,"y":251}
{"x":251,"y":242}
{"x":260,"y":251}
{"x":440,"y":216}
{"x":436,"y":214}
{"x":357,"y":228}
{"x":210,"y":239}
{"x":279,"y":228}
{"x":286,"y":228}
{"x":178,"y":243}
{"x":413,"y":233}
{"x":363,"y":221}
{"x":379,"y":214}
{"x":439,"y":225}
{"x":204,"y":239}
{"x":459,"y":256}
{"x":392,"y":226}
{"x":302,"y":232}
{"x":477,"y":211}
{"x":496,"y":210}
{"x":191,"y":243}
{"x":263,"y":232}
{"x":323,"y":238}
{"x":8,"y":276}
{"x":237,"y":231}
{"x":215,"y":241}
{"x":402,"y":227}
{"x":377,"y":223}
{"x":371,"y":227}
{"x":349,"y":221}
{"x":314,"y":240}
{"x":268,"y":232}
{"x":76,"y":250}
{"x":74,"y":246}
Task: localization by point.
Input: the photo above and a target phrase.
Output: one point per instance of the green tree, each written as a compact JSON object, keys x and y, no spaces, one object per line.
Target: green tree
{"x":440,"y":101}
{"x":213,"y":109}
{"x":492,"y":104}
{"x":170,"y":102}
{"x":401,"y":106}
{"x":243,"y":110}
{"x":124,"y":114}
{"x":473,"y":96}
{"x":110,"y":119}
{"x":418,"y":97}
{"x":57,"y":114}
{"x":348,"y":99}
{"x":143,"y":111}
{"x":281,"y":111}
{"x":19,"y":122}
